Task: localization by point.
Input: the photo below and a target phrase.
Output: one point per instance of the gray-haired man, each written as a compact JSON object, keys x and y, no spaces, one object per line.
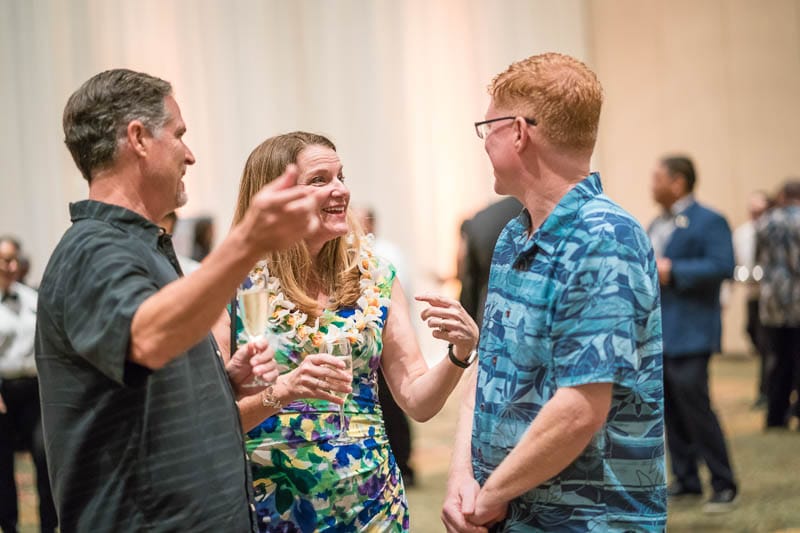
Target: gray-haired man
{"x":141,"y":426}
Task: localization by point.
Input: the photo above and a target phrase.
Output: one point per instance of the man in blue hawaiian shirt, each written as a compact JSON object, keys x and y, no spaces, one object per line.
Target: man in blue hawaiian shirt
{"x":563,"y":425}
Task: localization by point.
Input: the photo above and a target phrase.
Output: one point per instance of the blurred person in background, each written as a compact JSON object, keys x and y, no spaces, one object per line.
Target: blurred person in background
{"x":749,"y":273}
{"x":188,"y":265}
{"x":398,"y":428}
{"x":694,"y":252}
{"x":478,"y":237}
{"x":778,"y":253}
{"x":203,"y":239}
{"x":563,"y":428}
{"x":368,"y":218}
{"x":23,"y":269}
{"x":20,"y":415}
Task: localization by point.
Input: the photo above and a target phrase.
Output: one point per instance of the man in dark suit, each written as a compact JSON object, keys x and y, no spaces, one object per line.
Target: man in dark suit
{"x":694,"y":253}
{"x":478,"y":237}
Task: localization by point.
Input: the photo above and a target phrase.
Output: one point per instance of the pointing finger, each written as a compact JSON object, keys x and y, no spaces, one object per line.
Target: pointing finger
{"x":440,"y":312}
{"x":436,"y":300}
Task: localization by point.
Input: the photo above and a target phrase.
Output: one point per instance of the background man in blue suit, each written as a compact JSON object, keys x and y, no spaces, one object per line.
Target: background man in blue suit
{"x":694,"y":252}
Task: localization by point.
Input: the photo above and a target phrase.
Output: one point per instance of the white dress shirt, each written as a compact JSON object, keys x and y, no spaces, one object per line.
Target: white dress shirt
{"x":17,"y":330}
{"x":662,"y":227}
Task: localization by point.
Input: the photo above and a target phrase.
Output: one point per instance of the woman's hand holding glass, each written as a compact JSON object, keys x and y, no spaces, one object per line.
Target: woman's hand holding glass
{"x":319,"y":376}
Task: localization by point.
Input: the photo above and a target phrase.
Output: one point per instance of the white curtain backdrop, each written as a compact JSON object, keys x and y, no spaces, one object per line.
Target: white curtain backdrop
{"x":395,"y":84}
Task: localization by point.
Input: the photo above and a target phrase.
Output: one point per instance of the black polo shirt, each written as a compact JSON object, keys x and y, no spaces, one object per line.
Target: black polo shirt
{"x":129,"y":449}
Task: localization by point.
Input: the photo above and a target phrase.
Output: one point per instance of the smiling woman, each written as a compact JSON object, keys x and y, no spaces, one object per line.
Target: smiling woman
{"x":315,"y":467}
{"x":320,"y":167}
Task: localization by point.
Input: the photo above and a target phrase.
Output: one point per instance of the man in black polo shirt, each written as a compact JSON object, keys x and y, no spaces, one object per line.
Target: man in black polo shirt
{"x":141,"y":426}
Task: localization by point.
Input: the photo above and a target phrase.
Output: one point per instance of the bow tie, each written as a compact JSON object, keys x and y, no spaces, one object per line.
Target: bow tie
{"x":9,"y":296}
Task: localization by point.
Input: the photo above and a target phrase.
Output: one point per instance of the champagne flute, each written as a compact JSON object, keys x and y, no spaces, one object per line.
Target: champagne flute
{"x":253,"y":301}
{"x":341,"y":350}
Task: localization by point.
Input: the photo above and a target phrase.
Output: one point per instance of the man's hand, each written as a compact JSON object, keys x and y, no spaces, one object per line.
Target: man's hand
{"x":240,"y":367}
{"x":459,"y":505}
{"x":281,"y":214}
{"x":664,"y":267}
{"x":3,"y":409}
{"x":486,"y":512}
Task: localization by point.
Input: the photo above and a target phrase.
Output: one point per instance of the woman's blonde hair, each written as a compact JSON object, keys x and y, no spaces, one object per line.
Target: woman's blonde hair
{"x":560,"y":92}
{"x":336,"y":270}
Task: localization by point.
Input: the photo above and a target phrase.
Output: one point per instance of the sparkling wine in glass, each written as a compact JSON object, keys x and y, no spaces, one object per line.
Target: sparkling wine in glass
{"x":253,"y":308}
{"x":341,"y":350}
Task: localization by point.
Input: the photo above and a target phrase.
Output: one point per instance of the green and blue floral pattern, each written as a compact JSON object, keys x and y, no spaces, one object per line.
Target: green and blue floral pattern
{"x":302,"y":482}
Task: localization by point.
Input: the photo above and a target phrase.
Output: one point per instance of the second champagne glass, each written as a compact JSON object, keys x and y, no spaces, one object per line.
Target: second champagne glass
{"x":341,"y":350}
{"x":253,"y":301}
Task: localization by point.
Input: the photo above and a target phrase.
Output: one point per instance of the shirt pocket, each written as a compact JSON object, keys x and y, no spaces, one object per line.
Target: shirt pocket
{"x":522,"y":327}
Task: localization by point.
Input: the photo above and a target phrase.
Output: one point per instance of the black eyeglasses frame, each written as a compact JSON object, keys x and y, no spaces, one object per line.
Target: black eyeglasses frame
{"x":530,"y":121}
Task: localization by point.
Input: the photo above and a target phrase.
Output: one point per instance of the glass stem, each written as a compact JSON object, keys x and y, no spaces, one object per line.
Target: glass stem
{"x":342,"y":429}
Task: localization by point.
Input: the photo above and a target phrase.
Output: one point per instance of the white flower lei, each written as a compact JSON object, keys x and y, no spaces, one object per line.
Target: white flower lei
{"x":289,"y":326}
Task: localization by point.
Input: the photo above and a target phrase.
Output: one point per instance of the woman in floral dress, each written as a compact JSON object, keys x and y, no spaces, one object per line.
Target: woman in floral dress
{"x":332,"y":287}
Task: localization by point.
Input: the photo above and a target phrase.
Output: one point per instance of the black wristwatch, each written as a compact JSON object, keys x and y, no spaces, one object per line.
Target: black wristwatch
{"x":473,"y":355}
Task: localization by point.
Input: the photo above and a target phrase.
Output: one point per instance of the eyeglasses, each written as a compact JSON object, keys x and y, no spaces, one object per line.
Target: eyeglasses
{"x":483,"y":128}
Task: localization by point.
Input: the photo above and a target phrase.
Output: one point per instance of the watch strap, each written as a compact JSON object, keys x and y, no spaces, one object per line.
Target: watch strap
{"x":456,"y":361}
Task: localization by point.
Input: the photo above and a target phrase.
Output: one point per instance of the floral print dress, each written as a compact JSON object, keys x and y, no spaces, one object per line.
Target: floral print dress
{"x":302,"y":482}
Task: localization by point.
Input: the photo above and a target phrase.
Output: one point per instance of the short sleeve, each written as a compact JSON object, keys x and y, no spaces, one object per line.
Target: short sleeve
{"x":606,"y":316}
{"x":387,"y":273}
{"x":111,"y":281}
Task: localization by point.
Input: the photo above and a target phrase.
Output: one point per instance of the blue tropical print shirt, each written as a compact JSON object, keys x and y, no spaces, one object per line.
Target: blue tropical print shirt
{"x":576,"y":303}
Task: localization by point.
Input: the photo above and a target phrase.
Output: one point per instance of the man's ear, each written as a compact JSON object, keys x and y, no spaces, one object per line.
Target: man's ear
{"x":136,"y":134}
{"x":680,"y":184}
{"x":521,"y":137}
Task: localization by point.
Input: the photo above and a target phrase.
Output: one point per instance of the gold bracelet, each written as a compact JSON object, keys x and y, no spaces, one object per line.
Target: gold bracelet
{"x":268,"y":399}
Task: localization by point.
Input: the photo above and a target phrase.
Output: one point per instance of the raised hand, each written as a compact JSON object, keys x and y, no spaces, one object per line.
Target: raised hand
{"x":450,"y":322}
{"x":281,"y":213}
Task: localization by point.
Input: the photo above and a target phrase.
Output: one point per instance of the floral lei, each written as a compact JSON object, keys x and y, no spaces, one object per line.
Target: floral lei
{"x":289,"y":326}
